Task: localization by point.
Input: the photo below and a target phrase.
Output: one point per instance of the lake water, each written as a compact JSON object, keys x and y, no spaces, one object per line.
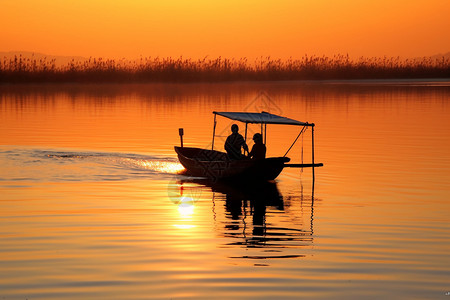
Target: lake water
{"x":92,"y":205}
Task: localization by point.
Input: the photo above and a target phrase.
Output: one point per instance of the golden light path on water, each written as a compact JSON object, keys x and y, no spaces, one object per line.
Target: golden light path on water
{"x":186,"y":205}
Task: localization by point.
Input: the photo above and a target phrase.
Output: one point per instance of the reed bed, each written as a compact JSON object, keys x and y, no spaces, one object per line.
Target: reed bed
{"x":339,"y":67}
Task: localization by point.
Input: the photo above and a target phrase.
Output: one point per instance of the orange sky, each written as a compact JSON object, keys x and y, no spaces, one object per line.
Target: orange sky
{"x":231,"y":28}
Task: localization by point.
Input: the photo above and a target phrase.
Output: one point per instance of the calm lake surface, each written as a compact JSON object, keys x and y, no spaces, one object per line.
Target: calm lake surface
{"x":92,"y":205}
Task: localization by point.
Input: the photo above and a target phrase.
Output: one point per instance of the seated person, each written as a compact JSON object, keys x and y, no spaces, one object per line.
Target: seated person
{"x":258,"y":149}
{"x":234,"y":143}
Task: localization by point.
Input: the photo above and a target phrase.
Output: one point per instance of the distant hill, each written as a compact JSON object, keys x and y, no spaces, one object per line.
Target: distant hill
{"x":59,"y":60}
{"x":439,"y":56}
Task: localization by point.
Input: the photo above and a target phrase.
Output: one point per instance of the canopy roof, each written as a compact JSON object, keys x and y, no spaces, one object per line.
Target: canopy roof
{"x":262,"y":117}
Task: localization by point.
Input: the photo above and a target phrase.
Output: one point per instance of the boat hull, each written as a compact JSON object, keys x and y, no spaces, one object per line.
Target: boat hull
{"x":216,"y":165}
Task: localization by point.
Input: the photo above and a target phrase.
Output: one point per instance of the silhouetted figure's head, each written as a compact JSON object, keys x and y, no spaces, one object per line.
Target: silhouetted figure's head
{"x":234,"y":128}
{"x":257,"y":137}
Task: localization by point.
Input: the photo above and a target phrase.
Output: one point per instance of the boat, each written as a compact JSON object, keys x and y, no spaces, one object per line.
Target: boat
{"x":216,"y":165}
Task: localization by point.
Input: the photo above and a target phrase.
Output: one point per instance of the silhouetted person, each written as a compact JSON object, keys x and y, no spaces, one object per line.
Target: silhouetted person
{"x":258,"y":149}
{"x":234,"y":143}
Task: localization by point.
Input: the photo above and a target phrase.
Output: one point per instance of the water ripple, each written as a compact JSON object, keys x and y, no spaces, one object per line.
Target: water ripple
{"x":56,"y":165}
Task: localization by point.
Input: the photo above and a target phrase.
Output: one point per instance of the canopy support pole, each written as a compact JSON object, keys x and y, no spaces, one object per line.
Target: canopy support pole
{"x":246,"y":124}
{"x":214,"y":132}
{"x":265,"y":133}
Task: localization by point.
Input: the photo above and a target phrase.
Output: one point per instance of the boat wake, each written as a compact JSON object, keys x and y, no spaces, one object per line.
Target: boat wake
{"x":33,"y":164}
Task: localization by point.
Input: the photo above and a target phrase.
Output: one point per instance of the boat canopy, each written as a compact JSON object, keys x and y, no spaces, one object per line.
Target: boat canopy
{"x":260,"y":118}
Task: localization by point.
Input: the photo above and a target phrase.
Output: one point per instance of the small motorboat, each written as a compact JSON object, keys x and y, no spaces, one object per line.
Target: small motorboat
{"x":217,"y":165}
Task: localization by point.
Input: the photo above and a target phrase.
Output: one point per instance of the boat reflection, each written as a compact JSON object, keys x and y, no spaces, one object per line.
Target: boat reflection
{"x":256,"y":217}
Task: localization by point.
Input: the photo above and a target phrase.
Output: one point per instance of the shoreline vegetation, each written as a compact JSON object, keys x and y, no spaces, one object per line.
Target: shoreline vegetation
{"x":19,"y":69}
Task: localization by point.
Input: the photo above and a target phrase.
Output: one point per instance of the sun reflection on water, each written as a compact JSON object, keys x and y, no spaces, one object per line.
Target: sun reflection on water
{"x":186,"y":209}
